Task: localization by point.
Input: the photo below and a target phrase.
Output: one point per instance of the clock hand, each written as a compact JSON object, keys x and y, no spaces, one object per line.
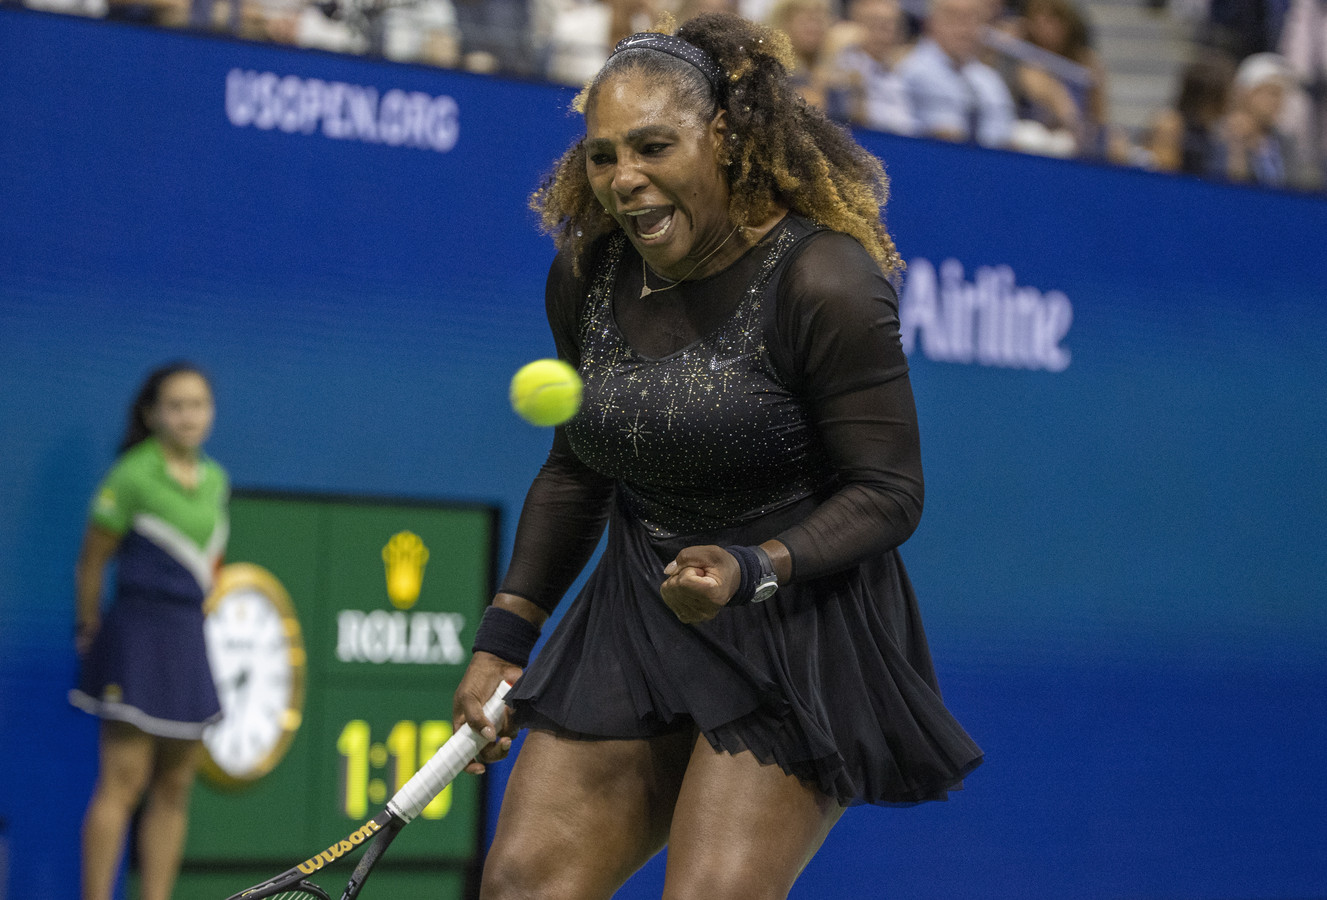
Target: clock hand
{"x":236,"y":684}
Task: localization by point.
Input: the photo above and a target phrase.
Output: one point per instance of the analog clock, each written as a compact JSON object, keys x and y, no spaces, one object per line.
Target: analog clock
{"x":258,"y":663}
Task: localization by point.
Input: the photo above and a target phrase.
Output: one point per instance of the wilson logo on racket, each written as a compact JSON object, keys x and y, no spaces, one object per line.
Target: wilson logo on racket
{"x":444,"y":765}
{"x":340,"y":849}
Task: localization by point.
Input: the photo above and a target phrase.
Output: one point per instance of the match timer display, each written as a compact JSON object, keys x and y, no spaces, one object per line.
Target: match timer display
{"x":378,"y":746}
{"x":407,"y":744}
{"x":370,"y":607}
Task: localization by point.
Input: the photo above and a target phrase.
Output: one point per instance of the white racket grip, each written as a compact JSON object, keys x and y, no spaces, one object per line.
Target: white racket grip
{"x":447,"y":762}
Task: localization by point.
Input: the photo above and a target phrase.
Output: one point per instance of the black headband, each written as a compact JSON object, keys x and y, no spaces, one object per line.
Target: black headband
{"x":675,"y":46}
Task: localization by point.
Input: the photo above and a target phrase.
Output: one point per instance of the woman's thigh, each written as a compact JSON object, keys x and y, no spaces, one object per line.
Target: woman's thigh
{"x":579,"y":817}
{"x":175,"y":767}
{"x":742,"y":829}
{"x":126,"y":758}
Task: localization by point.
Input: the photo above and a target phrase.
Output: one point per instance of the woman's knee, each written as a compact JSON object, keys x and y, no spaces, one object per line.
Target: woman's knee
{"x":173,"y":778}
{"x":742,"y":830}
{"x":720,"y":877}
{"x":523,"y":876}
{"x":507,"y":877}
{"x":171,"y":789}
{"x":125,"y":772}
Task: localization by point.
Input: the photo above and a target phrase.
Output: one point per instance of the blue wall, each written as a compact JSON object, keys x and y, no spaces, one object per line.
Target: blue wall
{"x":1119,"y":377}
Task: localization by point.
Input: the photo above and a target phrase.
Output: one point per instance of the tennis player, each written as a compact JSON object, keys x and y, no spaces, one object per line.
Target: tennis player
{"x":747,"y":657}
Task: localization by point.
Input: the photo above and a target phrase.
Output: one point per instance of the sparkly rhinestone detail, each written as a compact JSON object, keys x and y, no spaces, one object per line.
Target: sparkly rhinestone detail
{"x":705,"y":437}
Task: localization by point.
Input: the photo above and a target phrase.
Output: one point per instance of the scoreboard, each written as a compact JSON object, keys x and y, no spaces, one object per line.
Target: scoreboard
{"x":326,"y":720}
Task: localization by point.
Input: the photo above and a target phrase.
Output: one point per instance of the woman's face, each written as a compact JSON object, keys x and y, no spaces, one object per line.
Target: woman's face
{"x":1047,"y":28}
{"x":653,"y":164}
{"x":956,"y":25}
{"x":880,"y":21}
{"x":183,"y":415}
{"x":807,"y":28}
{"x":1265,"y":102}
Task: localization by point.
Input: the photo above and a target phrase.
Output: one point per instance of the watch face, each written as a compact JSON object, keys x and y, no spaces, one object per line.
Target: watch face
{"x":257,"y":658}
{"x":764,"y":591}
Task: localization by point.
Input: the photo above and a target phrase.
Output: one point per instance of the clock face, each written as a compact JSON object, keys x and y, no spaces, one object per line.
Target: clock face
{"x":257,"y":658}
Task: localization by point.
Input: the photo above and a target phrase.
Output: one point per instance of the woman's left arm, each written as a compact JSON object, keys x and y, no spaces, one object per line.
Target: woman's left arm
{"x":840,"y":345}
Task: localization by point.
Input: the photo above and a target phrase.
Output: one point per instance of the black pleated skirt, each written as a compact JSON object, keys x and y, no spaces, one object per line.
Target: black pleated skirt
{"x":831,"y":679}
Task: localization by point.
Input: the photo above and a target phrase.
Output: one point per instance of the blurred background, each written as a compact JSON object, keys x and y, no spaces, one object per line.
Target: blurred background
{"x":1234,"y":90}
{"x":1118,"y":359}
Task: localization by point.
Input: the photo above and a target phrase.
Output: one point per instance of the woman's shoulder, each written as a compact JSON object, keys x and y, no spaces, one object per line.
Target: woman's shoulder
{"x":129,"y":478}
{"x":819,"y":245}
{"x":569,"y":269}
{"x":136,"y":462}
{"x":830,"y":267}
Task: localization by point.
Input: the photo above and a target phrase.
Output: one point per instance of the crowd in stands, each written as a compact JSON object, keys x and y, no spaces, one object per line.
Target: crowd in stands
{"x":1249,"y":106}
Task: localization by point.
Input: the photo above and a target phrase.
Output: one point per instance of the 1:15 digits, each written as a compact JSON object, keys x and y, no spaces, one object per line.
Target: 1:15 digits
{"x":407,"y":746}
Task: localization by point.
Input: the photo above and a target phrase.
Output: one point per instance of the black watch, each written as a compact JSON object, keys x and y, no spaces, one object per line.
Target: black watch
{"x":768,"y":582}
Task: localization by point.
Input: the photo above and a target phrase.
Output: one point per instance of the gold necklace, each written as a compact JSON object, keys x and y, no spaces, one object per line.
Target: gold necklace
{"x":646,"y":290}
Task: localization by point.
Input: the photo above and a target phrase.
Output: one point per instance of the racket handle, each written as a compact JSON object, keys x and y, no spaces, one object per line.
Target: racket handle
{"x":446,"y":763}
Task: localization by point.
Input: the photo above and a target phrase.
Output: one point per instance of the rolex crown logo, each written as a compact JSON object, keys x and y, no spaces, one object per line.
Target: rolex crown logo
{"x":404,"y":556}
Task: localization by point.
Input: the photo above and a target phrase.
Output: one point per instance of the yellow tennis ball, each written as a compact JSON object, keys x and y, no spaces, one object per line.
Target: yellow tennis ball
{"x":546,"y":392}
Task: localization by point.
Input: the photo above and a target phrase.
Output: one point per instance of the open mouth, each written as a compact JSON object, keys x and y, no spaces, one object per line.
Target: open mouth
{"x":652,"y":224}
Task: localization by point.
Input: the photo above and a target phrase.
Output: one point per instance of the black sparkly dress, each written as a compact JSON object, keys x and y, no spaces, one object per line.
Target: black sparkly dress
{"x":768,"y":401}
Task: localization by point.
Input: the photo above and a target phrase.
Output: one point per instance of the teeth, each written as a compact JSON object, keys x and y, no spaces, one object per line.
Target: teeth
{"x":664,"y":224}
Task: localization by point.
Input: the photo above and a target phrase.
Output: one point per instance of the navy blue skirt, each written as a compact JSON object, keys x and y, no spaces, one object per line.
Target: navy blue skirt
{"x":148,"y":667}
{"x":831,"y":679}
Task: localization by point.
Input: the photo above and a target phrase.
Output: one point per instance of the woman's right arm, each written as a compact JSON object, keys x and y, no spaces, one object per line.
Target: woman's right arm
{"x":99,"y":546}
{"x":567,"y":505}
{"x":561,"y":522}
{"x":560,"y":525}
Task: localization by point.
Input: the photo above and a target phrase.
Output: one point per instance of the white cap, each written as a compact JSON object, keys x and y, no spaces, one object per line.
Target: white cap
{"x":1260,"y":68}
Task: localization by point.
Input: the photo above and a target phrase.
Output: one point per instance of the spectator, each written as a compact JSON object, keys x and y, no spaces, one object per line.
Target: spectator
{"x":954,"y":95}
{"x":425,"y":31}
{"x":1246,"y":145}
{"x":580,"y":35}
{"x":216,"y":15}
{"x":865,"y":89}
{"x":495,"y":35}
{"x":271,"y":20}
{"x":807,"y":24}
{"x":164,"y":13}
{"x":329,"y":26}
{"x":1179,"y":138}
{"x":414,"y":31}
{"x":756,"y":10}
{"x":689,"y":9}
{"x":92,"y":8}
{"x":1242,"y":27}
{"x":1303,"y":42}
{"x":1041,"y":95}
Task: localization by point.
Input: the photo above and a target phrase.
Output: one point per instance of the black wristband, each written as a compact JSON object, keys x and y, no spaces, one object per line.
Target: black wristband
{"x":749,"y":564}
{"x":506,"y":635}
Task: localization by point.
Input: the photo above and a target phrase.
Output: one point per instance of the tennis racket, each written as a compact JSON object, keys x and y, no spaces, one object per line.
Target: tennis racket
{"x":379,"y":832}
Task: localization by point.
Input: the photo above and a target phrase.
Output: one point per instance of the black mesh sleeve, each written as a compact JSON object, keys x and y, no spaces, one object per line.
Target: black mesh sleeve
{"x":838,"y":344}
{"x":567,"y":505}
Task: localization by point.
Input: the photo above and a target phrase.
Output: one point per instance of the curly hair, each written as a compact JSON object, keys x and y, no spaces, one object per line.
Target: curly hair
{"x":780,"y":152}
